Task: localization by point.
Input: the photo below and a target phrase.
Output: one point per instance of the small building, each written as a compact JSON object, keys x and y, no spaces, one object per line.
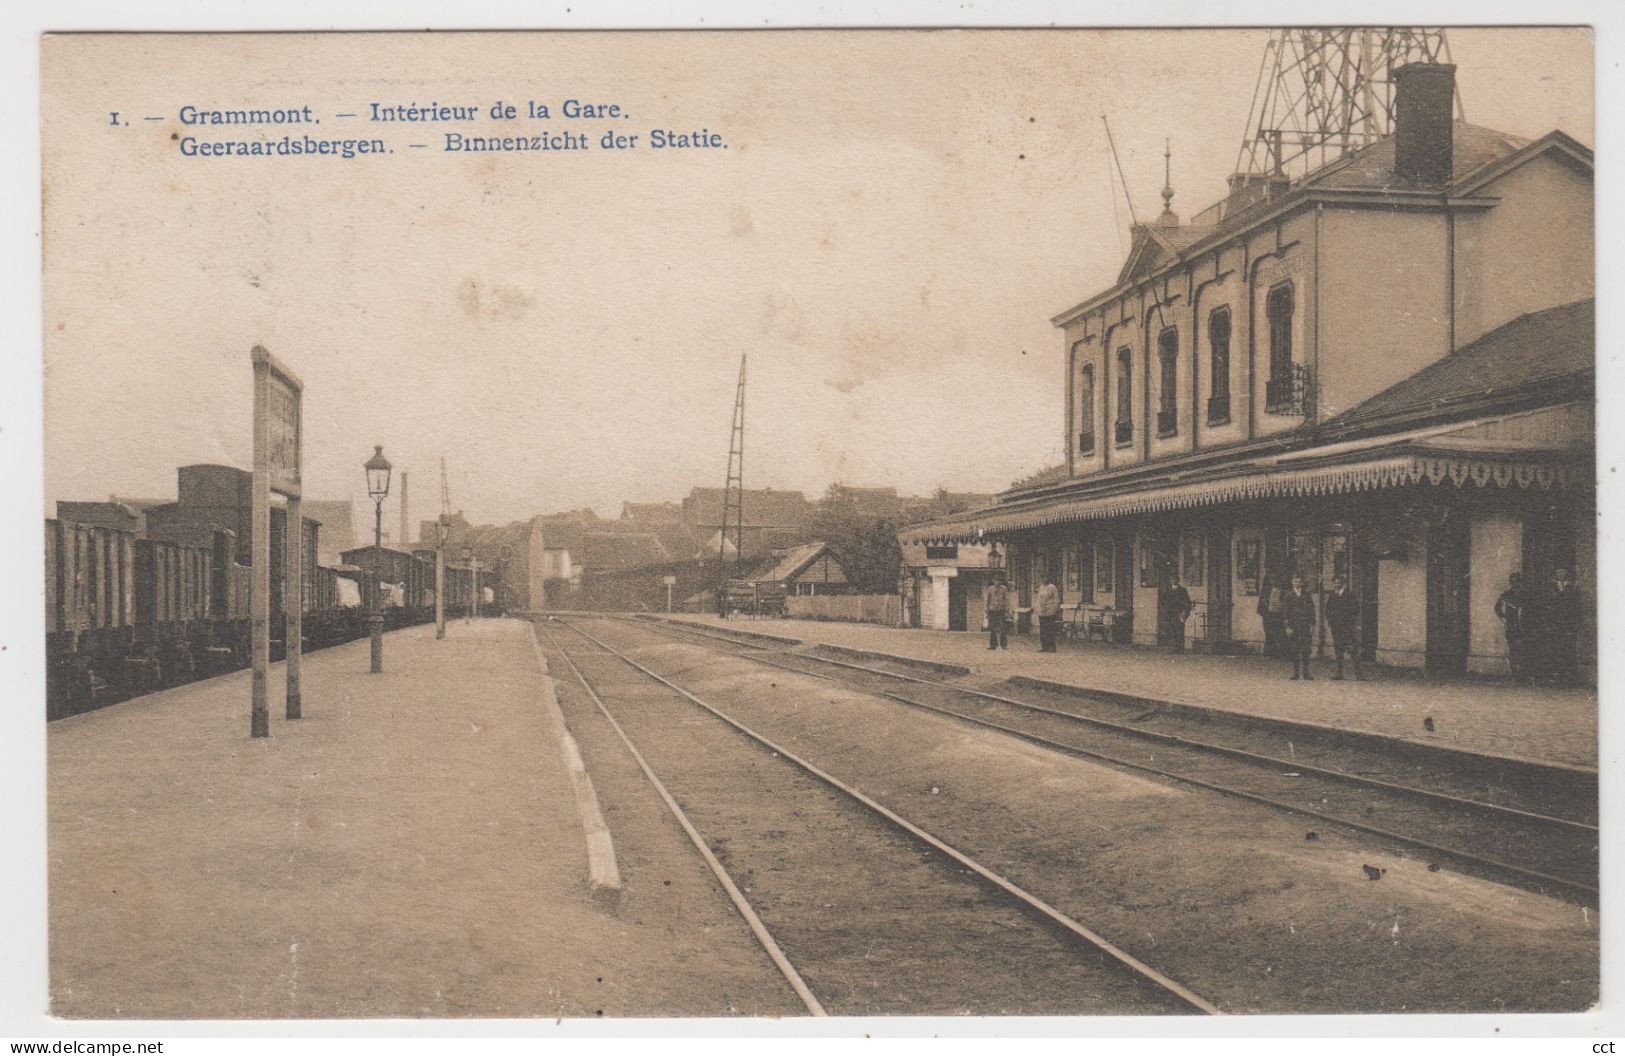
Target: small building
{"x":943,"y":583}
{"x":809,"y":570}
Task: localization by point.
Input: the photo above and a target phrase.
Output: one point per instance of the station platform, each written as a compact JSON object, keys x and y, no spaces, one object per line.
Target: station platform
{"x":413,"y":847}
{"x":1540,"y":724}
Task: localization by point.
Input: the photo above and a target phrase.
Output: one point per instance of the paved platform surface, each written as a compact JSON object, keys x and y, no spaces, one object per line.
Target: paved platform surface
{"x":411,"y":848}
{"x":1544,"y":724}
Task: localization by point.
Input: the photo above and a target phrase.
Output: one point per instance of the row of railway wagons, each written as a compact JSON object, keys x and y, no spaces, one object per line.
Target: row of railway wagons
{"x":126,"y":614}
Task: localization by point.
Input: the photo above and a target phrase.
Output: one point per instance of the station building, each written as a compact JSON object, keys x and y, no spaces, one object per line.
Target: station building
{"x":1381,"y":370}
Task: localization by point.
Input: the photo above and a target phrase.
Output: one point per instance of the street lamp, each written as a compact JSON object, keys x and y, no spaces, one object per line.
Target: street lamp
{"x":472,"y":560}
{"x":442,"y":532}
{"x":377,"y":489}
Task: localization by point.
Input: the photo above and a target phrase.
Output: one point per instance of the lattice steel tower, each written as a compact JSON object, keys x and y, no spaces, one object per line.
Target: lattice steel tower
{"x":733,"y":498}
{"x":1324,"y":93}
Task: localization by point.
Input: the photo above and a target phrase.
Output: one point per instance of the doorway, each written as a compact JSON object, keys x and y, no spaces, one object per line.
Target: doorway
{"x":1123,"y":595}
{"x":1219,"y":598}
{"x":1161,"y":558}
{"x":957,"y":620}
{"x":1447,"y":594}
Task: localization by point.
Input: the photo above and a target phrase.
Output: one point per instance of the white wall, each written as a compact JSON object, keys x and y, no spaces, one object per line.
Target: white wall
{"x":1402,"y":603}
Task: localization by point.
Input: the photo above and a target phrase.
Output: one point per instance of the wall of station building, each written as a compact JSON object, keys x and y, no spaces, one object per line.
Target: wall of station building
{"x":935,"y":577}
{"x":1114,"y":566}
{"x":1378,"y":294}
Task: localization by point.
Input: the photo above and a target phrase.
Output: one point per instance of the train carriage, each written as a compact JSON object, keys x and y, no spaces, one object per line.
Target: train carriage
{"x":127,"y":612}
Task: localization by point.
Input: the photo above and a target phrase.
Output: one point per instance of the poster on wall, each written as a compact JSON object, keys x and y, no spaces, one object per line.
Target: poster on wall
{"x":1247,"y":555}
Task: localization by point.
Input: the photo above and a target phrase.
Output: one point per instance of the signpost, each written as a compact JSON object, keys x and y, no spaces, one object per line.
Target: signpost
{"x":278,"y":405}
{"x":670,"y":581}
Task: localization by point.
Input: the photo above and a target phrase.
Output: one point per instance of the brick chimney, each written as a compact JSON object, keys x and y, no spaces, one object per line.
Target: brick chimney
{"x":1424,"y":104}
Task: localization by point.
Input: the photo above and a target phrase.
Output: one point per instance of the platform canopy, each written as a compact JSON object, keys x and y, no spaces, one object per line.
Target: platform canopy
{"x":1545,"y":449}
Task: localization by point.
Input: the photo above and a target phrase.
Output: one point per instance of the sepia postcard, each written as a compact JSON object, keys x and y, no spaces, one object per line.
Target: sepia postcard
{"x":791,"y":523}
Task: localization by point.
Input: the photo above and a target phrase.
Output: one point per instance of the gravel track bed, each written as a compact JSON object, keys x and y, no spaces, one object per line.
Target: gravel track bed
{"x":875,"y":922}
{"x":1226,"y":896}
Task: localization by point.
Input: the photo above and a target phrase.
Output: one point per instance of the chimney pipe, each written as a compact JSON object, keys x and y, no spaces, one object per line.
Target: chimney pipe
{"x":1424,"y":104}
{"x":406,"y":531}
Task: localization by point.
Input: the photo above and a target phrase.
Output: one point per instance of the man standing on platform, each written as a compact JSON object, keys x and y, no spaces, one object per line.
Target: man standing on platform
{"x":1178,"y":600}
{"x":1343,"y":618}
{"x":1562,"y":615}
{"x":1510,"y":609}
{"x":1298,"y":619}
{"x":1269,"y":612}
{"x":1048,"y":604}
{"x":998,"y":613}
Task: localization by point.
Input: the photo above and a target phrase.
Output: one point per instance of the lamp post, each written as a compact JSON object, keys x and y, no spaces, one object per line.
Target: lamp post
{"x":471,"y":560}
{"x":442,"y":532}
{"x":377,"y":489}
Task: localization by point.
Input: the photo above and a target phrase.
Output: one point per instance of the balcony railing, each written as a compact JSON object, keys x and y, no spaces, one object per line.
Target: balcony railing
{"x":1124,"y":433}
{"x":1290,"y":393}
{"x":1086,"y":443}
{"x":1218,"y":409}
{"x":1167,"y":422}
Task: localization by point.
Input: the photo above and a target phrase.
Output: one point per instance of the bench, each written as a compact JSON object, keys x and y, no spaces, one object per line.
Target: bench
{"x":1090,"y":620}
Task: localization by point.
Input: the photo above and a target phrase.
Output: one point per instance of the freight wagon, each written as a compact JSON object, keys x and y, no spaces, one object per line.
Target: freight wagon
{"x":127,"y":613}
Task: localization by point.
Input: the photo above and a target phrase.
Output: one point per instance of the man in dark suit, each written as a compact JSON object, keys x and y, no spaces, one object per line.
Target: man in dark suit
{"x":1178,"y":600}
{"x":1343,"y":620}
{"x":1562,"y":613}
{"x":1511,"y":608}
{"x":1298,"y":618}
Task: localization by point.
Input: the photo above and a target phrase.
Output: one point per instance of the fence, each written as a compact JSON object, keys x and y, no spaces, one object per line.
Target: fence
{"x":885,"y":609}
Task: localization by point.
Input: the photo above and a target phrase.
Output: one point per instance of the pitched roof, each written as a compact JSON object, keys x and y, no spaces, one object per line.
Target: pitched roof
{"x":1531,"y":350}
{"x":652,"y":513}
{"x":612,"y":551}
{"x":1477,"y":154}
{"x":796,"y":561}
{"x":678,"y":539}
{"x":562,"y":534}
{"x":761,"y":506}
{"x":1372,"y":168}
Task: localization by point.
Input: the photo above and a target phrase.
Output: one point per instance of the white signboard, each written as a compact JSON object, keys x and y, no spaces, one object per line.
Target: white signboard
{"x":278,"y":419}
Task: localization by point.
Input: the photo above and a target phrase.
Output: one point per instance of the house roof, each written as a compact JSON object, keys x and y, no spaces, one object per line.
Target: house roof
{"x":1533,"y":349}
{"x":797,"y":561}
{"x":652,"y":513}
{"x":1478,"y":155}
{"x":678,"y":539}
{"x":562,"y":535}
{"x":614,"y":551}
{"x":760,"y":507}
{"x":1372,"y":168}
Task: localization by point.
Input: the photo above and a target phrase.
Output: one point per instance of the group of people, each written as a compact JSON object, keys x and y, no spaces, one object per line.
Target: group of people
{"x":1046,"y":605}
{"x":1289,"y":625}
{"x":1542,"y":628}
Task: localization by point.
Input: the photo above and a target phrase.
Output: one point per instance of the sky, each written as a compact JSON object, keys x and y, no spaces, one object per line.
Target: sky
{"x":894,"y":220}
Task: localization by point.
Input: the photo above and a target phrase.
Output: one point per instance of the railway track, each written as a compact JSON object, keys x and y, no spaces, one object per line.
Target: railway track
{"x":861,"y":910}
{"x":1455,"y":826}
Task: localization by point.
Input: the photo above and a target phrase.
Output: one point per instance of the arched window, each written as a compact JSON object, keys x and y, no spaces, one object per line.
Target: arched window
{"x":1168,"y":381}
{"x":1218,"y":340}
{"x":1124,"y":429}
{"x":1086,"y":408}
{"x":1279,"y":310}
{"x":1278,"y":391}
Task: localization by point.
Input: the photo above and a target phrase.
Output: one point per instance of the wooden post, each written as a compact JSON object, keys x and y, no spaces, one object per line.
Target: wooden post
{"x":259,"y":603}
{"x":439,"y":591}
{"x":293,"y":578}
{"x":278,"y":396}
